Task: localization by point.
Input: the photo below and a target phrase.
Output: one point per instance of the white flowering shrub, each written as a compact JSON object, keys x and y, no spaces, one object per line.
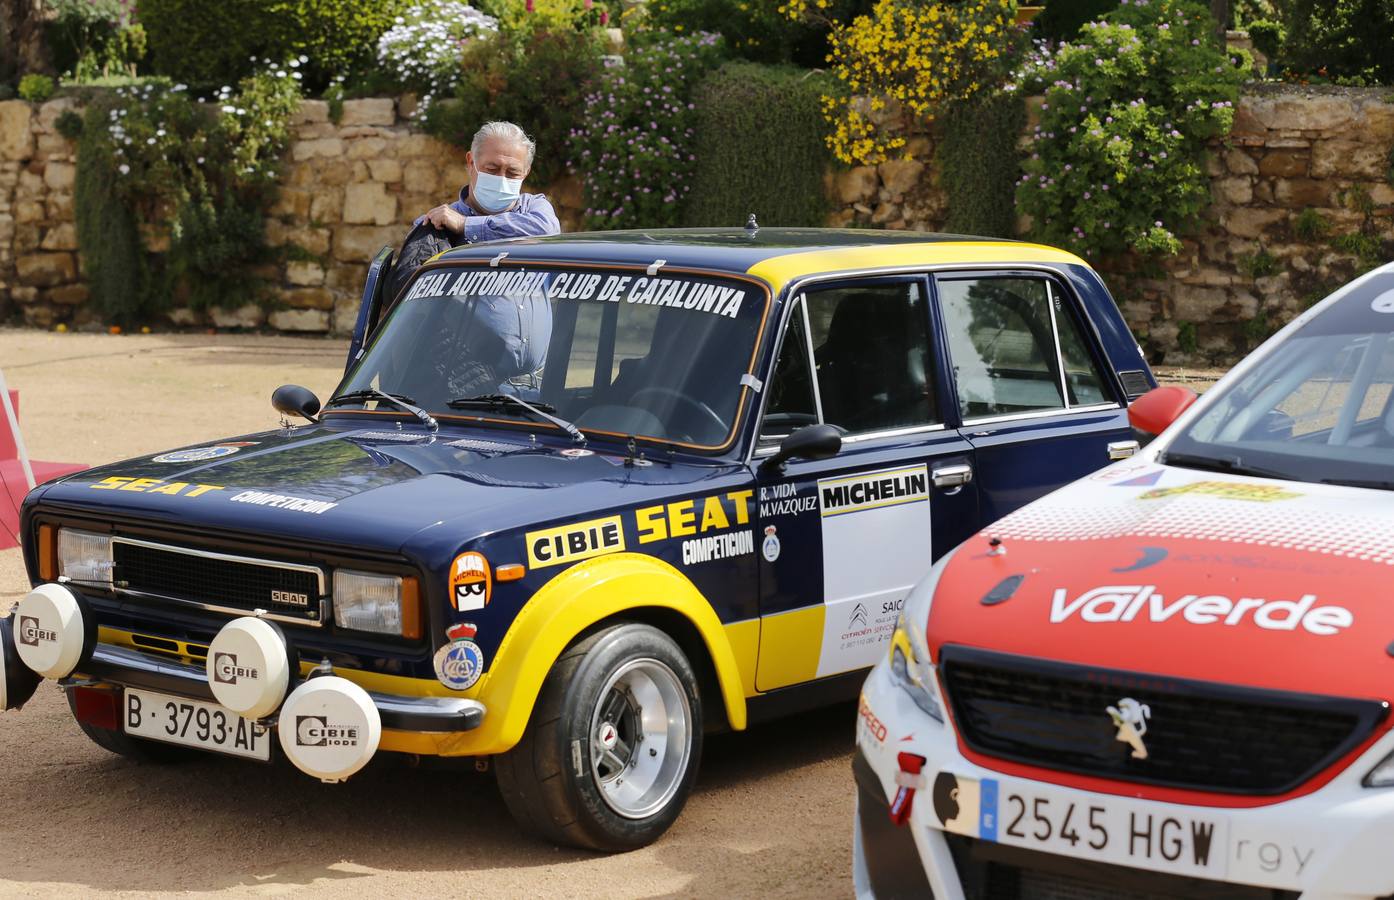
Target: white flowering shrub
{"x":424,"y":49}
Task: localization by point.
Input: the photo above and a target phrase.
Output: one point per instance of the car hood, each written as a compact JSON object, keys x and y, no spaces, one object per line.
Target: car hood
{"x":1171,"y":571}
{"x":368,"y":488}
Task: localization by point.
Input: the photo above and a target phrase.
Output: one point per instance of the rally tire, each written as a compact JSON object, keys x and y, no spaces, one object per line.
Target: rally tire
{"x":539,"y":778}
{"x":133,"y":748}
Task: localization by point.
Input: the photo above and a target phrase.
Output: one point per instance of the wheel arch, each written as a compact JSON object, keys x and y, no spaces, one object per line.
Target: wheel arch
{"x":607,"y":589}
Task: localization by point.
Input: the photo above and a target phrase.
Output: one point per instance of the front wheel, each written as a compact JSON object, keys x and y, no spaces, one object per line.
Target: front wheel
{"x":610,"y":753}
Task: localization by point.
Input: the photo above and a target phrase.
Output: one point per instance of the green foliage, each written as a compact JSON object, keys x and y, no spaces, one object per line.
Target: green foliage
{"x":635,"y":145}
{"x":756,"y":29}
{"x":1267,"y":35}
{"x":151,"y":156}
{"x":91,"y":38}
{"x":69,"y":124}
{"x":759,"y":147}
{"x":1259,"y":328}
{"x":1343,"y":40}
{"x":1117,"y":162}
{"x":1310,"y":226}
{"x":1244,"y":13}
{"x":539,"y":82}
{"x":334,"y":101}
{"x":1365,"y":243}
{"x":1258,"y":265}
{"x":1061,"y":20}
{"x":520,"y":19}
{"x":36,"y":88}
{"x":979,"y":162}
{"x":218,"y":43}
{"x":1186,"y":337}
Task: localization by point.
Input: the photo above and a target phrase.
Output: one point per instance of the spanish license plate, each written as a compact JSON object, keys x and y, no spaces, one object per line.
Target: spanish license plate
{"x":1157,"y":836}
{"x":194,"y":723}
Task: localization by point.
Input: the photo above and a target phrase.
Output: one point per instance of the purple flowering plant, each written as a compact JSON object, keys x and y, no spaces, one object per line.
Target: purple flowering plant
{"x":634,"y":150}
{"x":1117,"y":161}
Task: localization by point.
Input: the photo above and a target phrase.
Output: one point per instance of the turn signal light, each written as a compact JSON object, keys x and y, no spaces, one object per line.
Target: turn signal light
{"x":411,"y":608}
{"x":509,"y":572}
{"x":48,"y":553}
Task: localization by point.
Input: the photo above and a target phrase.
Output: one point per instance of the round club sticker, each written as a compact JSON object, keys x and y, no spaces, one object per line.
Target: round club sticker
{"x":577,"y":452}
{"x":198,"y":454}
{"x":1384,"y":303}
{"x":770,"y":546}
{"x":460,"y":662}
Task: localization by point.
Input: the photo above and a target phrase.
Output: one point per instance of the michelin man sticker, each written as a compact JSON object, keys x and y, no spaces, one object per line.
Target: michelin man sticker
{"x":471,"y":582}
{"x":202,"y":454}
{"x":460,"y":662}
{"x":770,"y":547}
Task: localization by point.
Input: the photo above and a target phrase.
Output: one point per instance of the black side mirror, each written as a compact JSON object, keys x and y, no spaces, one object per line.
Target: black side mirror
{"x":294,"y":400}
{"x":809,"y":442}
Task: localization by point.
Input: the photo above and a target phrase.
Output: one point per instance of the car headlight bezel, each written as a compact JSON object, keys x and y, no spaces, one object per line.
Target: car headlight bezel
{"x":84,"y":557}
{"x":376,"y":603}
{"x":911,"y":664}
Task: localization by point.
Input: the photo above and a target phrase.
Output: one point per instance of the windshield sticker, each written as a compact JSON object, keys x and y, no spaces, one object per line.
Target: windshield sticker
{"x":470,"y":582}
{"x":1225,"y":490}
{"x":680,"y":293}
{"x":784,"y":500}
{"x":203,"y":454}
{"x":574,"y":542}
{"x":873,"y":490}
{"x":154,"y":486}
{"x":283,"y":501}
{"x":1123,"y":603}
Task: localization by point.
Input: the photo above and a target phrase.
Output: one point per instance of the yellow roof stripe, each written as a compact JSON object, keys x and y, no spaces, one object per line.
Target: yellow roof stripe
{"x":780,"y":270}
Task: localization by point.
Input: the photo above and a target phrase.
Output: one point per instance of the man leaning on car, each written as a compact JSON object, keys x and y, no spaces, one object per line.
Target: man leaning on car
{"x":492,"y":205}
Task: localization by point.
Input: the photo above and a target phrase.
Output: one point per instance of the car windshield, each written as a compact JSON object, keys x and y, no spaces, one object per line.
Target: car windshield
{"x":624,"y":353}
{"x":1319,"y":407}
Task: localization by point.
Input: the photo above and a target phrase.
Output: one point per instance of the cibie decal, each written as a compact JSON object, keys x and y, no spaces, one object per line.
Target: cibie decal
{"x":574,"y":542}
{"x":873,"y":490}
{"x":770,"y":547}
{"x":471,"y":582}
{"x":460,"y":662}
{"x":226,"y":669}
{"x":319,"y":731}
{"x":1224,"y":490}
{"x":202,"y":454}
{"x":1126,"y":603}
{"x":1130,"y":718}
{"x":32,"y":633}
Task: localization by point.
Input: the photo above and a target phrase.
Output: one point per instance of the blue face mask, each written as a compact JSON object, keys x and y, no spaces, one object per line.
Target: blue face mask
{"x":494,"y":193}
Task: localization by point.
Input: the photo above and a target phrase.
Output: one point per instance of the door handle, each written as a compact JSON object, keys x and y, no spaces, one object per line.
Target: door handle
{"x":953,"y":476}
{"x":1122,"y":449}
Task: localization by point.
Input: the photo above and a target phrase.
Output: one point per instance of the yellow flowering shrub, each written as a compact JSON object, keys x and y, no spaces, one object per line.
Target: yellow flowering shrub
{"x":903,"y":61}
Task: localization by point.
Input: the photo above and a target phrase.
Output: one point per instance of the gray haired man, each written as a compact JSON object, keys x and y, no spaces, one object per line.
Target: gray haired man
{"x":493,"y":204}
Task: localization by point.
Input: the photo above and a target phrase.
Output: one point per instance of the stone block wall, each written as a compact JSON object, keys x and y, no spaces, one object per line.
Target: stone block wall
{"x":349,"y":188}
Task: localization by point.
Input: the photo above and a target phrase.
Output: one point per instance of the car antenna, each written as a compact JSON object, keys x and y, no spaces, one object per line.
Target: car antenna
{"x":633,"y":456}
{"x":751,"y":226}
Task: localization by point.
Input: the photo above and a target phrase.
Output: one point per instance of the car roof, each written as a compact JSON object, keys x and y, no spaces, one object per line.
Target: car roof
{"x":774,"y":254}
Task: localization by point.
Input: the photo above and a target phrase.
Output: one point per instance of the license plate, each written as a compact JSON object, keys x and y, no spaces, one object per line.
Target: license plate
{"x":1116,"y":830}
{"x":194,"y":723}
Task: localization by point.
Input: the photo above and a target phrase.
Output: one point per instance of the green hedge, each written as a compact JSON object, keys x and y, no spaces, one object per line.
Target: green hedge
{"x":1062,"y":19}
{"x":980,"y":164}
{"x":760,"y":147}
{"x":1340,"y":39}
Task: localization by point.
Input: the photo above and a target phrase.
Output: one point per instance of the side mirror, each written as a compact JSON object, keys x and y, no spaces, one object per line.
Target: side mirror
{"x":1155,"y":410}
{"x":294,"y":400}
{"x":809,"y":442}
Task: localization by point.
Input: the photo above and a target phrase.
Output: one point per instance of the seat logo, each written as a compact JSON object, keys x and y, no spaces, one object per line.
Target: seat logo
{"x":292,"y":598}
{"x":1130,"y":718}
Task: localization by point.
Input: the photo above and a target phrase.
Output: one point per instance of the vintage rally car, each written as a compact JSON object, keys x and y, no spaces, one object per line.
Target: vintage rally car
{"x":575,"y":501}
{"x":1173,"y":677}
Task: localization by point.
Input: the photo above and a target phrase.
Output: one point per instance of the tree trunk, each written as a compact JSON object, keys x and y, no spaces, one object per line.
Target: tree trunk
{"x":1221,"y":11}
{"x":22,"y":48}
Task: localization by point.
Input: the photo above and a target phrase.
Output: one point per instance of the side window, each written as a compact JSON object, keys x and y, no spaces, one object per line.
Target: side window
{"x":1004,"y":351}
{"x":791,"y":404}
{"x":871,"y":353}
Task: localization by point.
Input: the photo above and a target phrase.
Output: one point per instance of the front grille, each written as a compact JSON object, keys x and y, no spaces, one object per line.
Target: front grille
{"x":217,"y":579}
{"x":991,"y":871}
{"x":1199,"y":735}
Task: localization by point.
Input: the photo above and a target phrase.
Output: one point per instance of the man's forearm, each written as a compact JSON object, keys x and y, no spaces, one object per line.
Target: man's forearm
{"x":518,"y":223}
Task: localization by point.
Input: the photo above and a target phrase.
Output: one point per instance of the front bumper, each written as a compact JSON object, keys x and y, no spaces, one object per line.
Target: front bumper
{"x":133,"y":668}
{"x":1334,"y":842}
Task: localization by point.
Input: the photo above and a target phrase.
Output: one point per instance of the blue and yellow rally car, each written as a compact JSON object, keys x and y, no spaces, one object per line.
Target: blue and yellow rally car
{"x":576,"y":501}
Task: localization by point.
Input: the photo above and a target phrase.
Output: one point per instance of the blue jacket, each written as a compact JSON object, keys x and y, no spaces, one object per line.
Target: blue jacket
{"x":532,"y":216}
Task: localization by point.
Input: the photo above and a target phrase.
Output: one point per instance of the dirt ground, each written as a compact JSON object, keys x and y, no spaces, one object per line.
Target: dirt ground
{"x":771,"y":816}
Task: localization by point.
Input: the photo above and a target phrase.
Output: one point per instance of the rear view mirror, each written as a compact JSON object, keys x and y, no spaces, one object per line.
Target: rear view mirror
{"x":809,"y":442}
{"x":294,"y":400}
{"x":1154,"y":411}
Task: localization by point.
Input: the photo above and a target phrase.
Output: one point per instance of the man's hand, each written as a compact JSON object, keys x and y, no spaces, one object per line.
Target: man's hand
{"x":446,"y":218}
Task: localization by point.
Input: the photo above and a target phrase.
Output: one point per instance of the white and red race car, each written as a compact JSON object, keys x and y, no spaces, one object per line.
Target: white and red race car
{"x":1173,"y":677}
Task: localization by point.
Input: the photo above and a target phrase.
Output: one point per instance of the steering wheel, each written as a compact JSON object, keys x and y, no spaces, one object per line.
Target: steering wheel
{"x":703,"y":409}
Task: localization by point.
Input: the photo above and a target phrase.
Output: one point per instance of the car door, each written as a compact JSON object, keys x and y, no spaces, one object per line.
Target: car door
{"x":844,"y":539}
{"x":1031,"y":395}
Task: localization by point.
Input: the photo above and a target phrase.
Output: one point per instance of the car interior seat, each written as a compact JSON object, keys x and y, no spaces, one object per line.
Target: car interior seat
{"x":872,"y":369}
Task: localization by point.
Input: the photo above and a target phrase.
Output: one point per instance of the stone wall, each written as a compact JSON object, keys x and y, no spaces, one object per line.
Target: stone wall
{"x":349,"y":188}
{"x":1250,"y":268}
{"x":352,"y":186}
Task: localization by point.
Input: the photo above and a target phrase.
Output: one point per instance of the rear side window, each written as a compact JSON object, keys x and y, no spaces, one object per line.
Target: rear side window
{"x":1015,"y":347}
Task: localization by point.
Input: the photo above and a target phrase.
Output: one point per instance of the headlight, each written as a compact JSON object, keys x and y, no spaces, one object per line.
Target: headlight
{"x":84,"y":557}
{"x":1381,"y":775}
{"x":912,"y":669}
{"x":385,"y":604}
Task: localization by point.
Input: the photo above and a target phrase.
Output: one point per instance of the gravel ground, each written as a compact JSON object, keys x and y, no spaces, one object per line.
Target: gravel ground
{"x":771,"y":816}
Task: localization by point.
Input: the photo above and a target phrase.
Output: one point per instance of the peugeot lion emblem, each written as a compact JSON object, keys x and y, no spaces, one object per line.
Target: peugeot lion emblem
{"x":1130,"y":718}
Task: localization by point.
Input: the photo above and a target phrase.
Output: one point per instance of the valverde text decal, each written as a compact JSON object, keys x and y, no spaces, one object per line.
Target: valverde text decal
{"x":678,"y":292}
{"x":1125,"y":603}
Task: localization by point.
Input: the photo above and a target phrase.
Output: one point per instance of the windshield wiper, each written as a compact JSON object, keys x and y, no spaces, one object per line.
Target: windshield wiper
{"x":400,"y":400}
{"x":1232,"y":465}
{"x":542,"y":410}
{"x":1376,"y":483}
